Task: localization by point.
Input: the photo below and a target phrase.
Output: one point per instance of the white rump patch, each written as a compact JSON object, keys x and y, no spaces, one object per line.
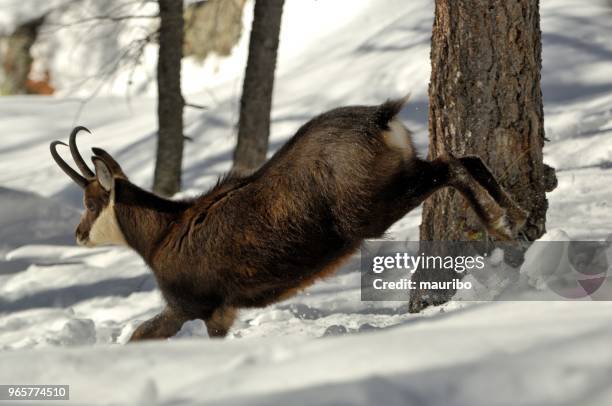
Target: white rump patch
{"x":398,"y":138}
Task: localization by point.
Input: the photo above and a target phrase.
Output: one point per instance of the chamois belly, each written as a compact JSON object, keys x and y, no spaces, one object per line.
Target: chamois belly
{"x":296,"y":267}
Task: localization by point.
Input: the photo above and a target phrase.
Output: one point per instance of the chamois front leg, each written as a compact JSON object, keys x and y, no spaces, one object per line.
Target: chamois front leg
{"x":500,"y":214}
{"x":164,"y":325}
{"x":221,"y":320}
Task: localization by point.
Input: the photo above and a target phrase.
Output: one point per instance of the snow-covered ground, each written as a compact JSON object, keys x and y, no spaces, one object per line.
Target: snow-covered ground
{"x":324,"y":344}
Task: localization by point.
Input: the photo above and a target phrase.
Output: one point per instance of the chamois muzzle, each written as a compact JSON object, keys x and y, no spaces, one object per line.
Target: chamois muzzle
{"x":80,"y":180}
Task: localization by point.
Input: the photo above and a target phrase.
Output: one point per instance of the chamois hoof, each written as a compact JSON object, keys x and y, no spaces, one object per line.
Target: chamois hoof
{"x":507,"y":226}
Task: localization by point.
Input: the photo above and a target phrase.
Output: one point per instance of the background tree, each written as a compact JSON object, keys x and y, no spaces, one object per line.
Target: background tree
{"x":16,"y":59}
{"x":256,"y":101}
{"x":167,"y":179}
{"x":485,"y":99}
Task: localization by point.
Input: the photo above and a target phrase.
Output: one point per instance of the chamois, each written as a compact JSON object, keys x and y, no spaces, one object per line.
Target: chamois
{"x":254,"y":239}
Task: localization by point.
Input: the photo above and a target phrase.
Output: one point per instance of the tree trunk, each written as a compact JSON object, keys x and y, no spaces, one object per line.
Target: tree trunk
{"x":485,"y":99}
{"x":256,"y":101}
{"x":16,"y":60}
{"x":170,"y":100}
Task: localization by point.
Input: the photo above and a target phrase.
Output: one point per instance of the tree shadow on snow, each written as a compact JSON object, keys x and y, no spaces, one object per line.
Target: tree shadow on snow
{"x":69,"y":295}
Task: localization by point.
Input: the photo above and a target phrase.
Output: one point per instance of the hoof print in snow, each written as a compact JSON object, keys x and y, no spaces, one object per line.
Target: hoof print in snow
{"x":78,"y":332}
{"x":335,"y":330}
{"x":303,"y":312}
{"x":367,"y":327}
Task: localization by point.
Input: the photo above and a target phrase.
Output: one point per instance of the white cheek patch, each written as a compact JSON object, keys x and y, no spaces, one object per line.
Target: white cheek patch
{"x":398,"y":138}
{"x":105,"y":230}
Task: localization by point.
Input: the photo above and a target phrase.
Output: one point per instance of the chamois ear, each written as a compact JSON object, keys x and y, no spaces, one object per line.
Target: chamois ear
{"x":103,"y":174}
{"x":110,"y":162}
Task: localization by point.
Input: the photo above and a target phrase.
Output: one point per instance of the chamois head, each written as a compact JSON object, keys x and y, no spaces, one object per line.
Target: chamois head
{"x":98,"y":224}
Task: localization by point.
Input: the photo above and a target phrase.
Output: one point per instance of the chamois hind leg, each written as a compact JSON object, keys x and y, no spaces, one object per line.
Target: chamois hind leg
{"x":502,"y":217}
{"x":516,"y":216}
{"x":164,"y":325}
{"x":221,"y":320}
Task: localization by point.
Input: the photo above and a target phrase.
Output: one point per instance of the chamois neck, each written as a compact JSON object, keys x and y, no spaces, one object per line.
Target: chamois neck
{"x":144,"y":218}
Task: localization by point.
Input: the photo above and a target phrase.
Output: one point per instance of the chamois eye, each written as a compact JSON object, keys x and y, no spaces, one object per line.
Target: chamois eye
{"x":90,"y":205}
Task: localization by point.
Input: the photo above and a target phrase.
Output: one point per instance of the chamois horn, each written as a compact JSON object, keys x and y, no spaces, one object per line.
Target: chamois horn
{"x":74,"y":175}
{"x":76,"y":155}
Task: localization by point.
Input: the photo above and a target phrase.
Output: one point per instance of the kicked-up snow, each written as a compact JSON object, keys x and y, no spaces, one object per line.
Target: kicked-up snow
{"x":66,"y":312}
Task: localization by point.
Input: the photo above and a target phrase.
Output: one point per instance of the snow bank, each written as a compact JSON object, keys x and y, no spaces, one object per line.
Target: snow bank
{"x":468,"y":357}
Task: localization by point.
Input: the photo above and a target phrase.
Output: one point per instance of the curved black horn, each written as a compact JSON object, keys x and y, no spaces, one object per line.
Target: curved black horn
{"x":78,"y":179}
{"x":78,"y":159}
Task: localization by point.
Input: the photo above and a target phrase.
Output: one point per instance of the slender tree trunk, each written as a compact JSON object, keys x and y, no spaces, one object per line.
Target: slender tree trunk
{"x":170,"y":100}
{"x":256,"y":101}
{"x":485,"y":99}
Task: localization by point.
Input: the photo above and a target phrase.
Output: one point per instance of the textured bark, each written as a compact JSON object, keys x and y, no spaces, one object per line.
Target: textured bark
{"x":256,"y":101}
{"x":485,"y":99}
{"x":170,"y":100}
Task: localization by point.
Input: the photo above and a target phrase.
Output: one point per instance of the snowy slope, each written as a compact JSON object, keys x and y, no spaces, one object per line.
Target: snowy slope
{"x":475,"y":356}
{"x":325,"y":343}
